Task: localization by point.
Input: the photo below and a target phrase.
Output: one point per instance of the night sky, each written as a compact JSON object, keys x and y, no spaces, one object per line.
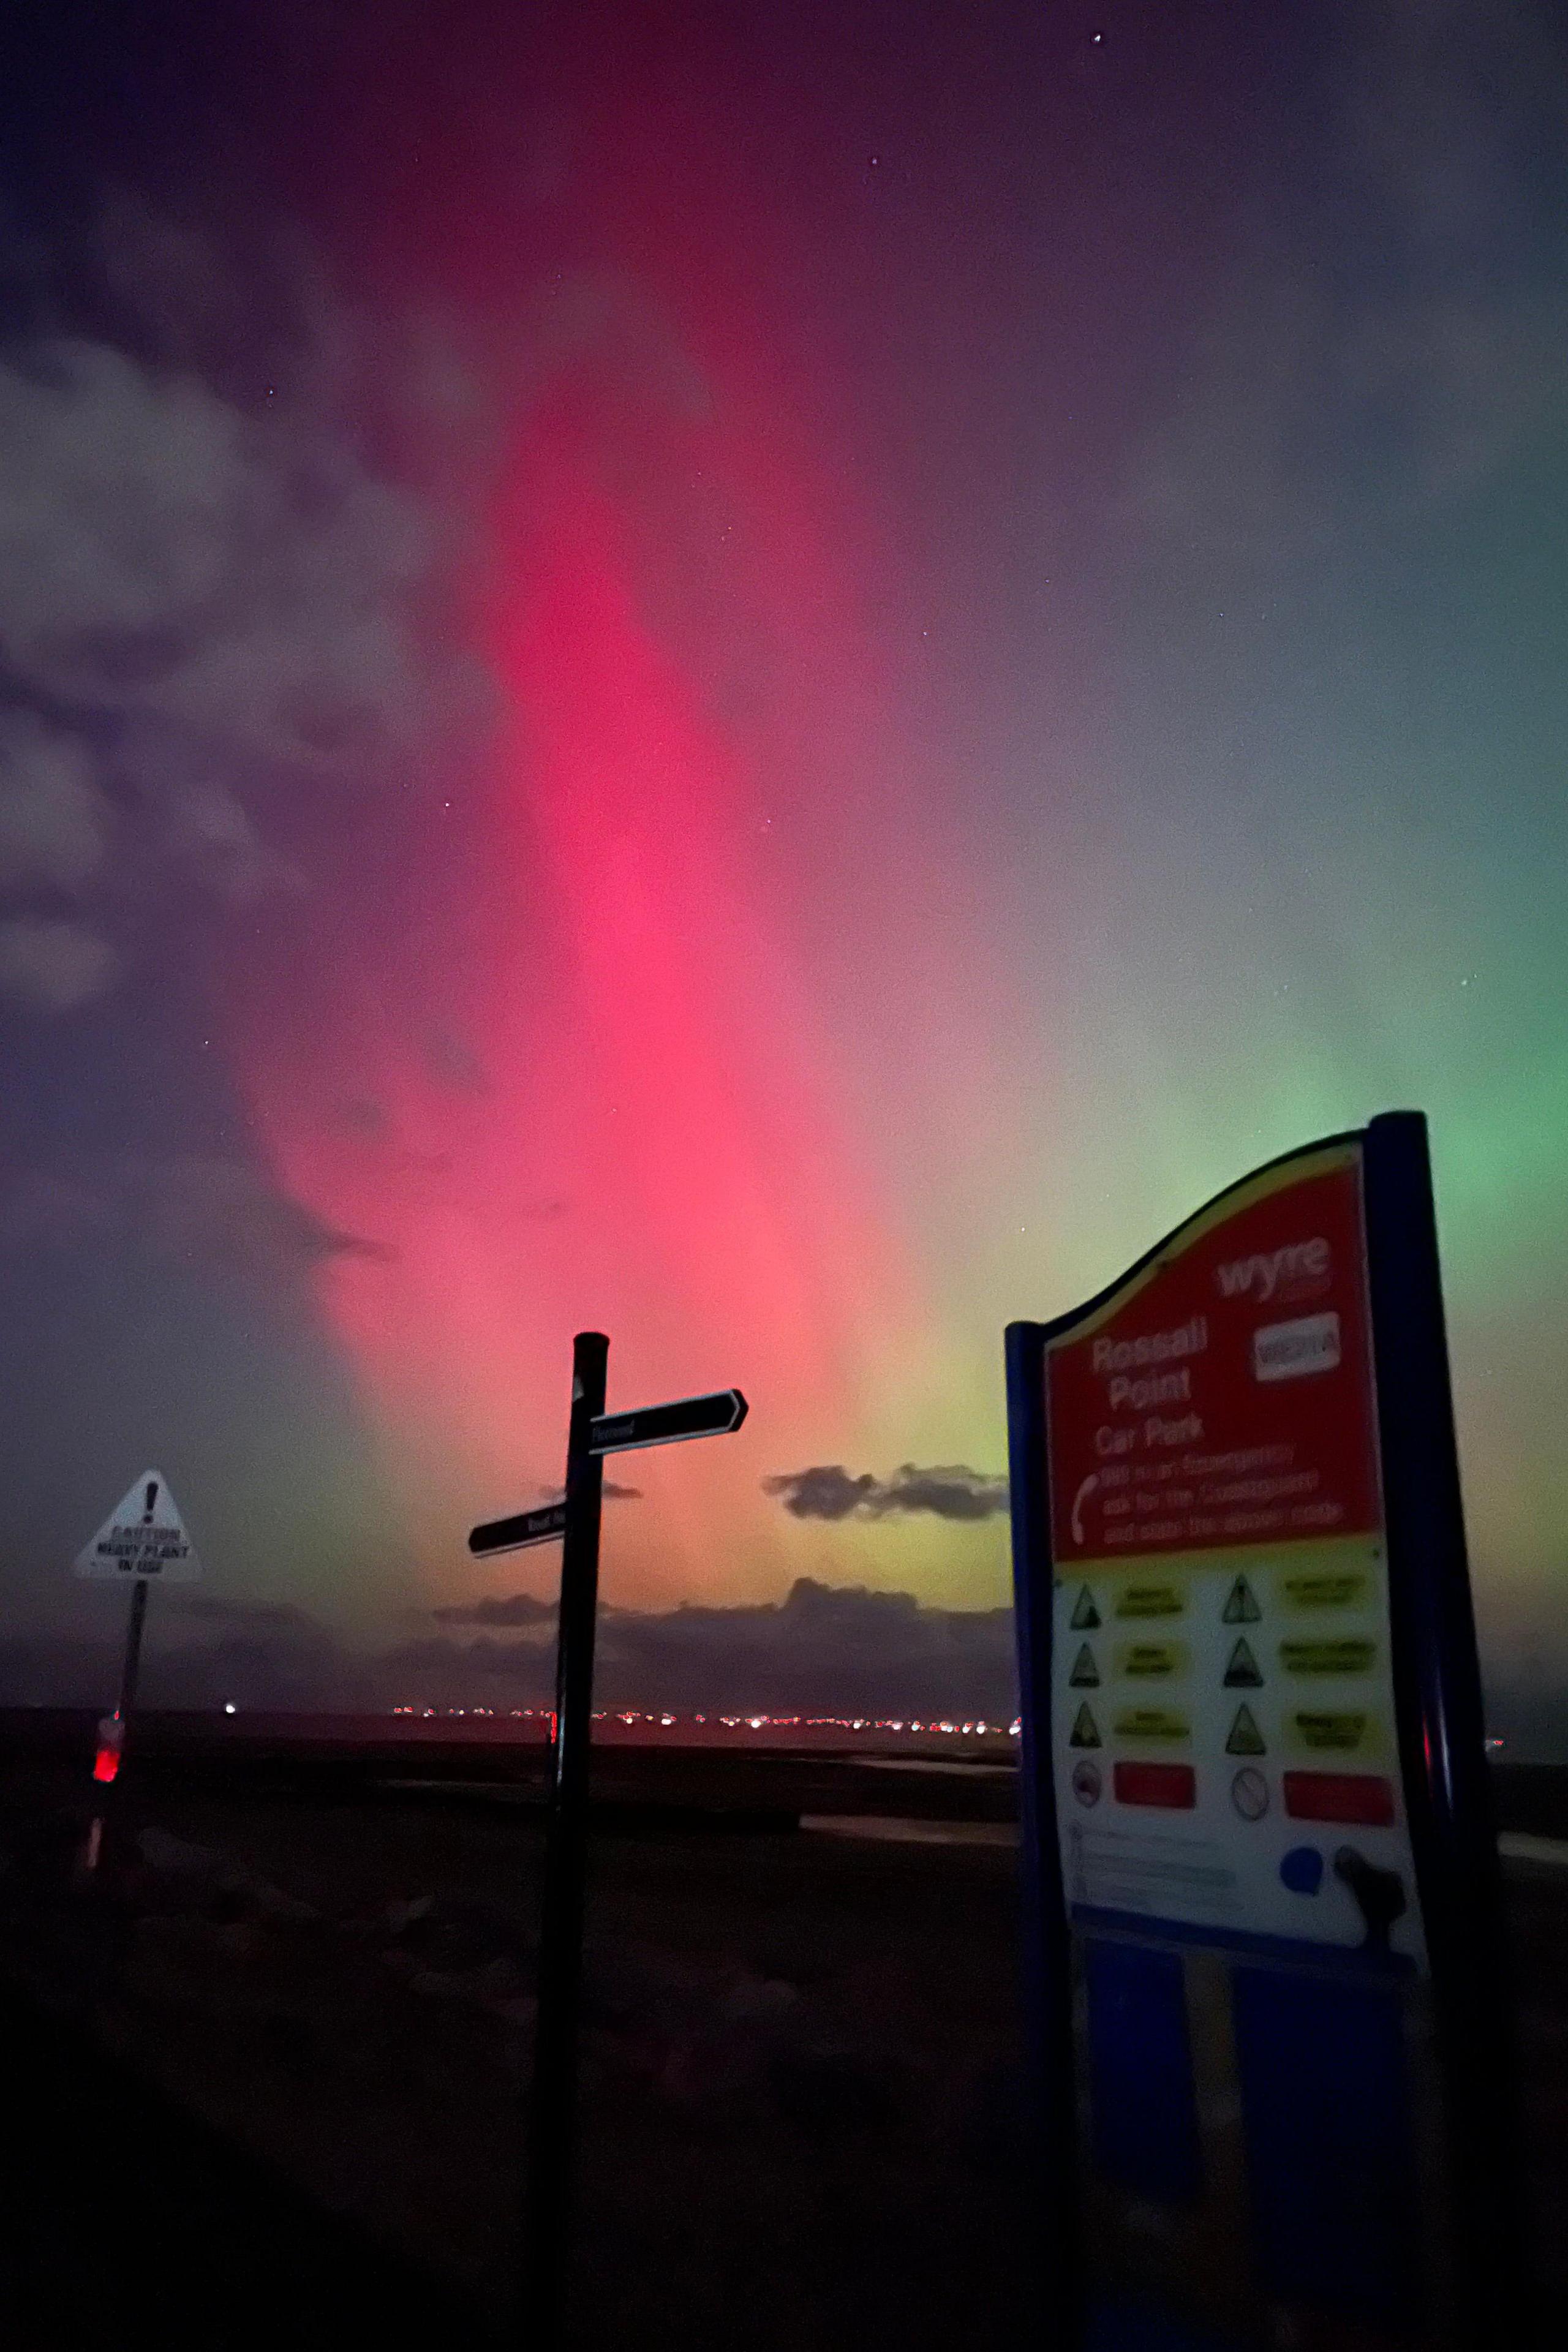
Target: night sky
{"x":772,"y":678}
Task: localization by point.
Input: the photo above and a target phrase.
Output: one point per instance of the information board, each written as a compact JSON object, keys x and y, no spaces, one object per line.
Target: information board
{"x":1223,"y":1694}
{"x":1270,"y":2028}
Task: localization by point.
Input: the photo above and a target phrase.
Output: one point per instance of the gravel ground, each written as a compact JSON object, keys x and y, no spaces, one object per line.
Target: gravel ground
{"x":800,"y":2119}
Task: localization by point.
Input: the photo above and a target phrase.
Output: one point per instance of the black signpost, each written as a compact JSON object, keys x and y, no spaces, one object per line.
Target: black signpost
{"x":667,"y":1424}
{"x":522,"y":1529}
{"x":592,"y":1433}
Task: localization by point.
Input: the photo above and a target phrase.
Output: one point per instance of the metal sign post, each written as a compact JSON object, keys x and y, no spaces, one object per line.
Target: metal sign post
{"x":1270,"y":2031}
{"x":515,"y":1534}
{"x":549,"y":2159}
{"x":144,"y":1539}
{"x":592,"y":1433}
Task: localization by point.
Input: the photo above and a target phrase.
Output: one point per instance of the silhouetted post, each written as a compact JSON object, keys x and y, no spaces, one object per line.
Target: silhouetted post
{"x":132,"y":1666}
{"x":111,"y":1730}
{"x":548,"y":2190}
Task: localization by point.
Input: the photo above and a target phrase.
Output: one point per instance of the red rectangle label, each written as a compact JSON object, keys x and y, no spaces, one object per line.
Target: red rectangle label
{"x":1360,"y":1797}
{"x":1173,"y":1786}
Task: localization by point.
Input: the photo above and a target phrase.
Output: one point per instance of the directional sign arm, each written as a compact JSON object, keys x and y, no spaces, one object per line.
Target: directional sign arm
{"x":667,"y":1424}
{"x":524,"y":1527}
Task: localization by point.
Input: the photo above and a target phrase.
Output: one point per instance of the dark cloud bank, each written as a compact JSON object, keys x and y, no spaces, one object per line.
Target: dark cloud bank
{"x":830,"y":1491}
{"x":825,"y":1649}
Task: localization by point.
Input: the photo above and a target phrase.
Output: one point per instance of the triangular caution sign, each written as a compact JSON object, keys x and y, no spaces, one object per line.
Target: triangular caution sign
{"x":1243,"y":1672}
{"x":1241,"y":1608}
{"x":1085,"y":1731}
{"x":1085,"y":1674}
{"x":142,"y":1535}
{"x":1245,"y":1739}
{"x":1084,"y":1615}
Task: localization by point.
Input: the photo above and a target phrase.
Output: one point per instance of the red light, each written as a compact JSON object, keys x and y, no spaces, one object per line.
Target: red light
{"x":1173,"y":1786}
{"x":1338,"y":1796}
{"x":106,"y":1764}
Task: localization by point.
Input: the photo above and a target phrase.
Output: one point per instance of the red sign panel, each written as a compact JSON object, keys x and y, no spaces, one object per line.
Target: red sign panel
{"x":1223,"y":1397}
{"x":1174,"y":1787}
{"x":1338,"y":1796}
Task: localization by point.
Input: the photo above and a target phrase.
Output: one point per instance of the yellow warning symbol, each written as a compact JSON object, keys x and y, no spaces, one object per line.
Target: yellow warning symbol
{"x":1347,"y":1657}
{"x":1085,"y":1731}
{"x":1152,"y":1722}
{"x":1151,"y":1601}
{"x":1085,"y":1674}
{"x":1325,"y":1591}
{"x":1241,"y":1605}
{"x":1242,"y":1671}
{"x":1084,"y":1615}
{"x":1245,"y":1739}
{"x":1341,"y":1733}
{"x":1151,"y":1661}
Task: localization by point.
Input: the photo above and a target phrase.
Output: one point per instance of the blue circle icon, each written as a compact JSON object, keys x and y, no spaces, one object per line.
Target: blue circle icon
{"x":1302,"y":1870}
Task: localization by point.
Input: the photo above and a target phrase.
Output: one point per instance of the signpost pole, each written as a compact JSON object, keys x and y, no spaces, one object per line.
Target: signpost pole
{"x":548,"y":2184}
{"x":1055,"y":2248}
{"x":132,"y":1666}
{"x":593,"y":1434}
{"x":111,"y":1732}
{"x":1443,"y":1732}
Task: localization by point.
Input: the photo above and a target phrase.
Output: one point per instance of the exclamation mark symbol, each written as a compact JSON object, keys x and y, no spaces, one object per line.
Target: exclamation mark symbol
{"x":152,"y":1498}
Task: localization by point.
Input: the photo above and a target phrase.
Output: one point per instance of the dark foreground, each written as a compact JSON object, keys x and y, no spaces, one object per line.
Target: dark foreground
{"x":266,"y":2071}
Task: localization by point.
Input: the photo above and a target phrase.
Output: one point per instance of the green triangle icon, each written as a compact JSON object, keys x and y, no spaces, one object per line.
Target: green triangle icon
{"x":1241,"y":1608}
{"x":1243,"y":1672}
{"x":1085,"y":1731}
{"x":1245,"y":1739}
{"x":1084,"y":1615}
{"x":1085,"y":1674}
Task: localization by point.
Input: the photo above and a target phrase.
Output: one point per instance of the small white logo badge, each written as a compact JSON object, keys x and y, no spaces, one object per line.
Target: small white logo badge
{"x":1290,"y":1351}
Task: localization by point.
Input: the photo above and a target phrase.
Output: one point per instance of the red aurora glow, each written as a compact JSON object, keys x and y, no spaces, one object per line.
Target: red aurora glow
{"x":607,"y":1084}
{"x":633,"y":1125}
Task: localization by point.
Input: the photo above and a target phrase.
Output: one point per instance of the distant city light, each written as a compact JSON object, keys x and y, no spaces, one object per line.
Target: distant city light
{"x":229,"y":1706}
{"x":666,"y":1719}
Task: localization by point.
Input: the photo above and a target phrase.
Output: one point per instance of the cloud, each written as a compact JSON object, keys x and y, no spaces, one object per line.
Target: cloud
{"x":205,"y":1651}
{"x":166,"y":556}
{"x":53,"y":964}
{"x":227,"y":1213}
{"x":253,"y":1616}
{"x":949,"y":1491}
{"x":826,"y":1492}
{"x":1341,"y":378}
{"x":54,"y":820}
{"x":513,"y":1609}
{"x":223,"y":1214}
{"x":363,"y":1116}
{"x":218,"y":597}
{"x":453,"y":1063}
{"x":614,"y":1492}
{"x":829,"y":1648}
